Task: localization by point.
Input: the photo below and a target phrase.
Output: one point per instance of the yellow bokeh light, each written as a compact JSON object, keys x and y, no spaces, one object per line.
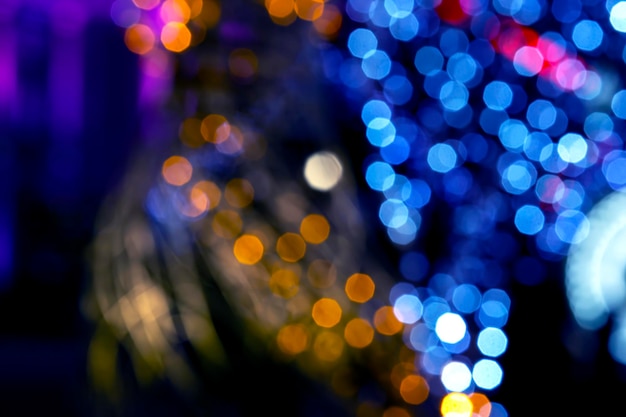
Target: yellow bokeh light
{"x":322,"y":273}
{"x":326,"y":312}
{"x":291,"y":247}
{"x":386,"y":322}
{"x":328,"y":346}
{"x":211,"y":190}
{"x":284,"y":283}
{"x":215,"y":128}
{"x":456,"y":404}
{"x":292,"y":339}
{"x":309,"y":9}
{"x":175,"y":11}
{"x":330,"y":21}
{"x":227,"y":224}
{"x":280,"y":8}
{"x":175,"y":36}
{"x":400,"y":371}
{"x":189,"y":133}
{"x":248,"y":249}
{"x":396,"y":412}
{"x":243,"y":63}
{"x":414,"y":389}
{"x":314,"y":228}
{"x":177,"y":170}
{"x":358,"y":333}
{"x":239,"y":192}
{"x":197,"y":204}
{"x":480,"y":404}
{"x":146,"y":4}
{"x":139,"y":39}
{"x":195,"y":8}
{"x":360,"y":288}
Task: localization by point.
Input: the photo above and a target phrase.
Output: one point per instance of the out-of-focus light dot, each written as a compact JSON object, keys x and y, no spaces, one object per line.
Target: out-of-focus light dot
{"x":226,"y":223}
{"x":481,"y":405}
{"x":399,"y":8}
{"x":551,"y":160}
{"x":453,"y":40}
{"x":457,"y":183}
{"x":175,"y":36}
{"x":177,"y":170}
{"x":572,"y":147}
{"x":487,"y":374}
{"x":291,"y":247}
{"x":529,"y":219}
{"x":408,"y":308}
{"x":420,"y":194}
{"x":573,"y":196}
{"x":405,"y":28}
{"x":405,"y":233}
{"x":441,"y":157}
{"x":361,"y":41}
{"x":550,"y":188}
{"x":614,"y":169}
{"x":280,"y":9}
{"x":617,"y":345}
{"x":124,"y":13}
{"x":396,"y":412}
{"x":519,"y":177}
{"x":497,"y":95}
{"x":617,"y":16}
{"x":175,"y":11}
{"x":572,"y":226}
{"x":414,"y":389}
{"x":233,"y":144}
{"x":466,"y":298}
{"x":139,"y":38}
{"x":490,"y":120}
{"x":330,"y":21}
{"x":322,"y":273}
{"x":374,"y":109}
{"x":566,"y":11}
{"x":292,"y":339}
{"x":314,"y":228}
{"x":243,"y":63}
{"x":535,"y":144}
{"x":393,"y":213}
{"x":512,"y":134}
{"x":456,"y":376}
{"x":453,"y":95}
{"x":239,"y":192}
{"x":326,"y":312}
{"x":587,"y":35}
{"x":456,"y":404}
{"x":328,"y":346}
{"x":498,"y":410}
{"x":380,"y":132}
{"x":421,"y":338}
{"x":570,"y":74}
{"x":146,"y":4}
{"x":310,"y":10}
{"x":215,"y":128}
{"x":376,"y":64}
{"x":434,"y":359}
{"x":398,"y":89}
{"x":380,"y":176}
{"x":386,"y":322}
{"x":618,"y":103}
{"x":248,"y":249}
{"x":528,"y":61}
{"x":592,"y":87}
{"x":461,"y":67}
{"x":492,"y":341}
{"x":397,"y":151}
{"x":541,"y":114}
{"x":284,"y":282}
{"x":400,"y":190}
{"x":428,"y":60}
{"x":492,"y":313}
{"x":378,"y":15}
{"x":322,"y":171}
{"x":351,"y":74}
{"x":210,"y":190}
{"x":189,"y":132}
{"x":450,"y":328}
{"x":360,"y":287}
{"x":358,"y":333}
{"x":434,"y":307}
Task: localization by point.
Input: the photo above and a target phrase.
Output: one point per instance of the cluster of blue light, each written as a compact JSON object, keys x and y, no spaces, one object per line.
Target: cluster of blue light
{"x":506,"y":125}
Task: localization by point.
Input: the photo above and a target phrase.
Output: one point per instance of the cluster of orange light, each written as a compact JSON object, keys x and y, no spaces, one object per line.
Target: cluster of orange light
{"x":326,"y":18}
{"x":183,"y":23}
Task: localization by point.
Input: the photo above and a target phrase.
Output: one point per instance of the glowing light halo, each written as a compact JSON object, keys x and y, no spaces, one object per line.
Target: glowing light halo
{"x":594,"y":272}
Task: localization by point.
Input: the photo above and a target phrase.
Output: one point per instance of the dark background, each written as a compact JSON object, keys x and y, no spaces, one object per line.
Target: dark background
{"x":52,"y":187}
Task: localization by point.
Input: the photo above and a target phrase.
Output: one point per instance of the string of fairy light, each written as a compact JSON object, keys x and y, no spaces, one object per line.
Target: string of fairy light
{"x":462,"y":104}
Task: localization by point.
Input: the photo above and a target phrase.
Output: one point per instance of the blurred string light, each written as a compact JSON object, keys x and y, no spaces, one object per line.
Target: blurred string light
{"x":481,"y":95}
